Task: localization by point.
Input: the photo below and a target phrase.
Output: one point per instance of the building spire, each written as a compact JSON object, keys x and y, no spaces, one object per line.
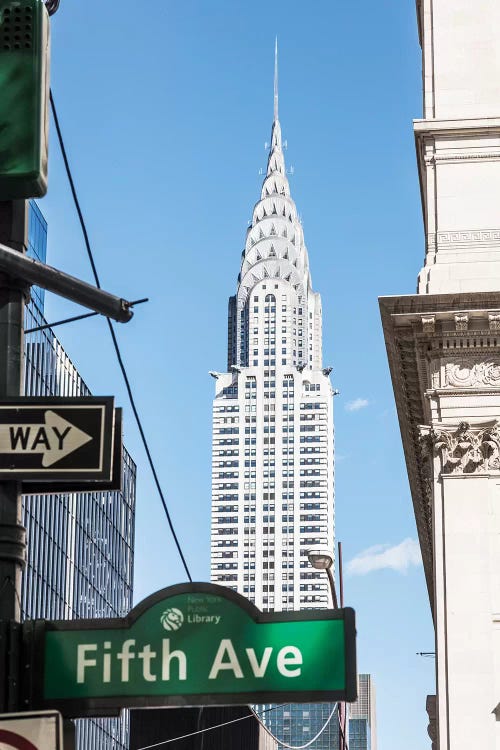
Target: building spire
{"x":275,"y":79}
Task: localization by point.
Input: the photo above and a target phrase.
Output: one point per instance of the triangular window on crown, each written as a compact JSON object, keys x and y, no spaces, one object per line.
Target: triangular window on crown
{"x":285,"y":256}
{"x":274,"y":211}
{"x":272,"y":252}
{"x":261,"y":234}
{"x":252,"y":241}
{"x":266,"y":275}
{"x":258,"y":256}
{"x":273,"y":230}
{"x":285,"y":233}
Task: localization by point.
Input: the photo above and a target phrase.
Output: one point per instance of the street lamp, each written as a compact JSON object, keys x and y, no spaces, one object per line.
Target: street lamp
{"x":321,"y":558}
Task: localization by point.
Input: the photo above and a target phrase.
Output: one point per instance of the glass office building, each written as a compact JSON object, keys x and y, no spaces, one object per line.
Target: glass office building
{"x":359,"y":734}
{"x":362,"y":717}
{"x":79,"y":545}
{"x":298,"y":723}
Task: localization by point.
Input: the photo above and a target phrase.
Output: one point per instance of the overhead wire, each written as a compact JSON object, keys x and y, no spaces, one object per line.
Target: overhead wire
{"x":209,"y":729}
{"x":253,"y":714}
{"x":115,"y":341}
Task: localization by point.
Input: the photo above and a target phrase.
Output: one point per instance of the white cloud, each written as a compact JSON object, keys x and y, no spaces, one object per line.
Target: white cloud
{"x":357,"y":404}
{"x":382,"y":556}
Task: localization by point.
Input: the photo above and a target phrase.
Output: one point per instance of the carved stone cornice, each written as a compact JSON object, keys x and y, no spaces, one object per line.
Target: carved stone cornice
{"x":463,"y":448}
{"x":429,"y":357}
{"x":431,"y":707}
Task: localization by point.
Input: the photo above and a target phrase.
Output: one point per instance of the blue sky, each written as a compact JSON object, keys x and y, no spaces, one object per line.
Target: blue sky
{"x":165,"y":108}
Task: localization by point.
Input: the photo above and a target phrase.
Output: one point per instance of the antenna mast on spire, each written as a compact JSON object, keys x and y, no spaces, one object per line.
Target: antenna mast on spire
{"x":276,"y":79}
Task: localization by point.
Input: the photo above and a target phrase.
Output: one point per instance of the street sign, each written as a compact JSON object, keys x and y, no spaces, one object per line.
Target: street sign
{"x":193,"y":644}
{"x":43,"y":486}
{"x":31,"y":731}
{"x":56,"y":438}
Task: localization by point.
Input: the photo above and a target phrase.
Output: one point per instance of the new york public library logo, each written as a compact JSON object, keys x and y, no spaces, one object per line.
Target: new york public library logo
{"x":173,"y":619}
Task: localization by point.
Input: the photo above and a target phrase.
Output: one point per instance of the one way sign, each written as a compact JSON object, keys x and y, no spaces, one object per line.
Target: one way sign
{"x":57,"y":438}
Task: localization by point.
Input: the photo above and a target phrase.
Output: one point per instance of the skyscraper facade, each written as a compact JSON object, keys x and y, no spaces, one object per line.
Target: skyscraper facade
{"x":362,"y":717}
{"x":272,"y":470}
{"x":79,"y":545}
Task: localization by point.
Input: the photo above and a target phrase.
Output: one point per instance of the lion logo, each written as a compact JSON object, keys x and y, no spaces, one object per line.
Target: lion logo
{"x":172,"y":619}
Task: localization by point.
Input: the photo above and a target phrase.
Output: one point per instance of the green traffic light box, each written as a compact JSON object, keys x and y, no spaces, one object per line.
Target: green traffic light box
{"x":24,"y":95}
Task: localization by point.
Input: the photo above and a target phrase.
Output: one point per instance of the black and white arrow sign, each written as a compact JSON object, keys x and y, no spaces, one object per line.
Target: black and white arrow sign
{"x":56,"y":438}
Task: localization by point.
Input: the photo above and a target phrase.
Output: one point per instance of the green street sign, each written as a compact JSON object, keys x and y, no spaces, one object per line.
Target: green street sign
{"x":193,"y":644}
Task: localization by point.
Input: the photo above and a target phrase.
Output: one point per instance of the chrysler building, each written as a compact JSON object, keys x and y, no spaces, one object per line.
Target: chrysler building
{"x":273,"y":452}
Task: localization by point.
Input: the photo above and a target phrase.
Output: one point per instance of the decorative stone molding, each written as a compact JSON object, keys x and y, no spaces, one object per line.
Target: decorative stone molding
{"x":455,"y":158}
{"x":464,"y":449}
{"x":468,"y":238}
{"x":464,"y":374}
{"x":429,"y":324}
{"x":494,"y":321}
{"x":430,"y":706}
{"x":421,"y":384}
{"x":461,"y":322}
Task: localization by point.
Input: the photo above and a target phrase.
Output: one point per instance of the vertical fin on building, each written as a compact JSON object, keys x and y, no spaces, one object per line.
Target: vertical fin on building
{"x":275,"y":79}
{"x":231,"y":333}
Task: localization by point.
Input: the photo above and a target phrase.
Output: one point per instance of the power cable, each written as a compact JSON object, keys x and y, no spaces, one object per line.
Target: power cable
{"x":114,"y":339}
{"x":344,"y":738}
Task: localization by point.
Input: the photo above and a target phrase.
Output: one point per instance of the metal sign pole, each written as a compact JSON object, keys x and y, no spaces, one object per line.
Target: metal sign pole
{"x":13,"y":232}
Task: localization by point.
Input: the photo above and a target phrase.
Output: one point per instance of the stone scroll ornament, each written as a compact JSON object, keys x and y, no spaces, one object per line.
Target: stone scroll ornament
{"x":470,"y":375}
{"x":466,"y":449}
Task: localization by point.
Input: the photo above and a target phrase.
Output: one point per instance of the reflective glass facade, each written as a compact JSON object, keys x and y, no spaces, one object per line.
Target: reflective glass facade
{"x":362,"y":716}
{"x":80,"y":546}
{"x":297,"y":723}
{"x":359,"y":734}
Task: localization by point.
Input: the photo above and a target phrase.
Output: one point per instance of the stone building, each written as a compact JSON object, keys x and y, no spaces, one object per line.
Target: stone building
{"x":443,"y":346}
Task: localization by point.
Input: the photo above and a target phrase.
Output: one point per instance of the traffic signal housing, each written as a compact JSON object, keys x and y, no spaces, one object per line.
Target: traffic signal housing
{"x":24,"y":97}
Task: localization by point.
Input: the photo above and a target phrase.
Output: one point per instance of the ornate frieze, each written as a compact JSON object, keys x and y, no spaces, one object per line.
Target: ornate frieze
{"x":475,"y":370}
{"x":470,"y":240}
{"x":467,"y":374}
{"x":464,"y":449}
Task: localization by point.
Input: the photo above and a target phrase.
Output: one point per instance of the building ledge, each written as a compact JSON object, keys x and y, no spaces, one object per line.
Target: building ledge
{"x":416,"y":329}
{"x":465,"y":126}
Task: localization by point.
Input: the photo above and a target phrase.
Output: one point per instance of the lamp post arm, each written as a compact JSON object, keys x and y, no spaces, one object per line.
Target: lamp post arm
{"x":332,"y":587}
